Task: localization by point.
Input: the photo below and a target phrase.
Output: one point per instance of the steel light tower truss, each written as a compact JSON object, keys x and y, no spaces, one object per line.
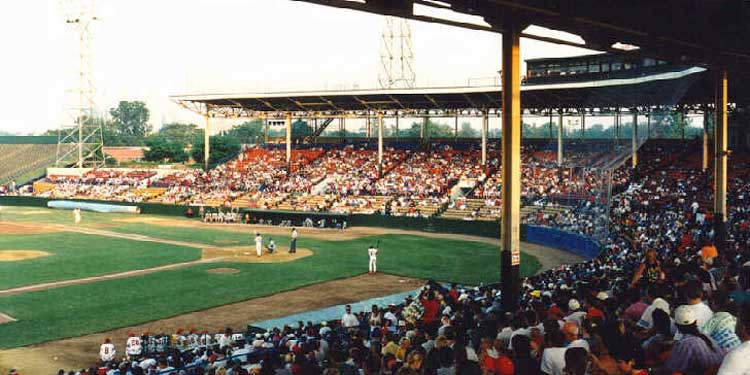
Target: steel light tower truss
{"x":80,"y":139}
{"x":396,"y":55}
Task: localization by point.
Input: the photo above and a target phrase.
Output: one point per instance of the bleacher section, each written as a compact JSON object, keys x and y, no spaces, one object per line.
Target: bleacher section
{"x":19,"y":160}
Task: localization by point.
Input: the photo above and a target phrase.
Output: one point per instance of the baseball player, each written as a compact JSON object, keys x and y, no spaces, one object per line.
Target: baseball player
{"x":162,"y":342}
{"x":107,"y":351}
{"x":133,"y":346}
{"x":373,"y":253}
{"x":293,"y":244}
{"x":193,"y":339}
{"x":77,"y":215}
{"x":258,"y":244}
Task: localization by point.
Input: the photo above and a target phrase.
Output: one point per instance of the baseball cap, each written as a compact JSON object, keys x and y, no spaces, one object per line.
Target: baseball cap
{"x":602,"y":296}
{"x":574,"y":305}
{"x":684,"y":315}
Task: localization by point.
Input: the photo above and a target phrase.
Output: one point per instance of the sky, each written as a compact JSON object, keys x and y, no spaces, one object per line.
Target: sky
{"x":148,"y":50}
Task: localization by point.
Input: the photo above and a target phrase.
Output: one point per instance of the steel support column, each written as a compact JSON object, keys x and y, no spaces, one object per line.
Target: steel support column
{"x":634,"y":146}
{"x":706,"y":116}
{"x":398,"y":135}
{"x":720,"y":159}
{"x":583,"y":125}
{"x":288,"y":139}
{"x":207,"y":139}
{"x":265,"y":130}
{"x":455,"y":129}
{"x":485,"y":125}
{"x":648,"y":124}
{"x":559,"y":139}
{"x":380,"y":143}
{"x":510,"y":256}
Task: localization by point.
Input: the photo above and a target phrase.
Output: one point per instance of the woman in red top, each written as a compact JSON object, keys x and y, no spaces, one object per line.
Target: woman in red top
{"x":431,"y":307}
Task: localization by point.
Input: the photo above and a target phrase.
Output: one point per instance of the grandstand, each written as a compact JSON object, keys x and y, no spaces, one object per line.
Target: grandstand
{"x":25,"y":158}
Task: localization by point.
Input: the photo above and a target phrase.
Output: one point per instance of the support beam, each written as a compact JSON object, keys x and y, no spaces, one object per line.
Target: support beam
{"x":683,"y":118}
{"x":648,"y":124}
{"x":206,"y":139}
{"x":550,"y":123}
{"x":560,"y":139}
{"x":617,"y":124}
{"x":368,"y":132}
{"x":380,"y":143}
{"x":455,"y":129}
{"x":510,"y":235}
{"x":265,"y":130}
{"x":398,"y":133}
{"x":720,"y":158}
{"x":485,"y":125}
{"x":706,"y":119}
{"x":289,"y":139}
{"x":634,"y":149}
{"x":583,"y":125}
{"x":422,"y":127}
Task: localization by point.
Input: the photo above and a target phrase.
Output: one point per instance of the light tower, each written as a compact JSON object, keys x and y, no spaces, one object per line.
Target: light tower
{"x":396,"y":55}
{"x":80,"y":140}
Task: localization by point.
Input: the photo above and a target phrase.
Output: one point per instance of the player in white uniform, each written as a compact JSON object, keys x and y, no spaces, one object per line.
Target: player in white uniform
{"x":258,"y":244}
{"x":107,"y":351}
{"x":133,"y":346}
{"x":373,"y":253}
{"x":77,"y":216}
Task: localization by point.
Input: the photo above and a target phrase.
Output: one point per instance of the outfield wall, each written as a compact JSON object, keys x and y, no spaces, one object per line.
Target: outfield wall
{"x":550,"y":237}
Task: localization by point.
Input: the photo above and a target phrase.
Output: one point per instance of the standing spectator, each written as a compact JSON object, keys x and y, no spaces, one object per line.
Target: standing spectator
{"x":693,"y":352}
{"x":736,"y":362}
{"x":349,"y":321}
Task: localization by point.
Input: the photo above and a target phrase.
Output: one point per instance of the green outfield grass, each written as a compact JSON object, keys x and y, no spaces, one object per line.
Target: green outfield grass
{"x":76,"y":255}
{"x":87,"y":308}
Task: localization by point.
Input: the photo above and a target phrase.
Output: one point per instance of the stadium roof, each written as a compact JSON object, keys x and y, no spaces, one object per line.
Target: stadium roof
{"x":707,"y":33}
{"x":660,"y":89}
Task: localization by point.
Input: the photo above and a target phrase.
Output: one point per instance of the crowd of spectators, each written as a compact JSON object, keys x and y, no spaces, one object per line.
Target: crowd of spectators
{"x":660,"y":298}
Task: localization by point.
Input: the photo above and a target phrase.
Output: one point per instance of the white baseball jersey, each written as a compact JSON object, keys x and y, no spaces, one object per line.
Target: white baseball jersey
{"x":372,"y":252}
{"x":192,"y":340}
{"x":107,"y":352}
{"x":133,"y":346}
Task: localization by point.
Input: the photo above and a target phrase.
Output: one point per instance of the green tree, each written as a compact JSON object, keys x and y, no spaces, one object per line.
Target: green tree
{"x":184,"y":134}
{"x":164,"y":149}
{"x":129,"y":123}
{"x":248,"y":131}
{"x":222,"y":148}
{"x":466,"y":131}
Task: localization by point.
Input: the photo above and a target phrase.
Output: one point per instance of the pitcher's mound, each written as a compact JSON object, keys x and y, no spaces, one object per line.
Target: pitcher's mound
{"x":223,"y":270}
{"x":16,"y":255}
{"x":246,"y":254}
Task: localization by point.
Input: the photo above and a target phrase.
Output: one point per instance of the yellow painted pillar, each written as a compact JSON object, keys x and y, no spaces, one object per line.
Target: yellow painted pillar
{"x":634,"y":148}
{"x":706,"y":116}
{"x":510,"y":226}
{"x":288,"y":139}
{"x":207,"y":139}
{"x":485,"y":125}
{"x":560,"y":139}
{"x":720,"y":158}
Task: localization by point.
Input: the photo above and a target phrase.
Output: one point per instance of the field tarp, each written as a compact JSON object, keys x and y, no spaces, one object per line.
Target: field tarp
{"x":574,"y":243}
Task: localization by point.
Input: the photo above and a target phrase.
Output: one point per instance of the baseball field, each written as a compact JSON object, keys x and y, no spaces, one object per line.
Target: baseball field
{"x":63,"y":287}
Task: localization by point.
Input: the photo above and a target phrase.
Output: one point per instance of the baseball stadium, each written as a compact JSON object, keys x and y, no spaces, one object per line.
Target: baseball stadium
{"x":575,"y":213}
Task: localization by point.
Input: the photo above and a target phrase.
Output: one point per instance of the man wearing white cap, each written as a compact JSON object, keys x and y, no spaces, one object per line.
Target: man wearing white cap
{"x":736,"y":362}
{"x":693,"y":352}
{"x":574,"y":312}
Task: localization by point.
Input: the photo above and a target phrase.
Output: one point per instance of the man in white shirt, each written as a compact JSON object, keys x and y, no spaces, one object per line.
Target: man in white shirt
{"x":107,"y":351}
{"x":258,"y":244}
{"x":348,"y":320}
{"x":293,"y":244}
{"x":735,"y":362}
{"x":553,"y":357}
{"x":373,"y":253}
{"x":575,"y":313}
{"x":693,"y":293}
